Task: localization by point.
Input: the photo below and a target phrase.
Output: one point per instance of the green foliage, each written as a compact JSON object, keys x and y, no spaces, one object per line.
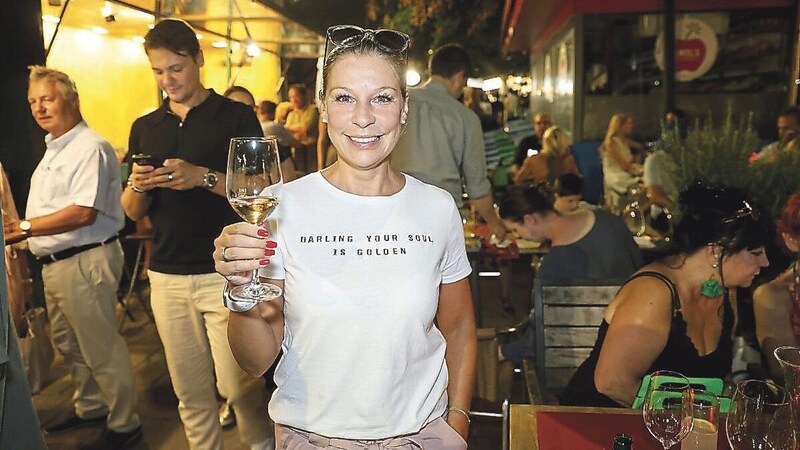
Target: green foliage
{"x":721,"y":154}
{"x":475,"y":24}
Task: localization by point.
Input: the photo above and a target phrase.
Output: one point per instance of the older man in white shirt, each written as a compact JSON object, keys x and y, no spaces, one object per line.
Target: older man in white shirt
{"x":72,"y":220}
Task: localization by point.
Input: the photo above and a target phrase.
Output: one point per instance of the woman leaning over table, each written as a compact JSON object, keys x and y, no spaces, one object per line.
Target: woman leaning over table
{"x":777,"y":303}
{"x":676,"y":314}
{"x":376,"y":320}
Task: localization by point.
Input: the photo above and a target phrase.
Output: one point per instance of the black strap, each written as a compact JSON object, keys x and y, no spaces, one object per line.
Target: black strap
{"x":673,"y":290}
{"x":72,"y":251}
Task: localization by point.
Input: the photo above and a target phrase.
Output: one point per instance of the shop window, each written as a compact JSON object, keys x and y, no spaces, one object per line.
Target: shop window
{"x":753,"y":53}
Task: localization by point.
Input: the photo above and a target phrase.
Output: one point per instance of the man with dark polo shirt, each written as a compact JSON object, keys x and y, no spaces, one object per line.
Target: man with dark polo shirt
{"x":185,"y":199}
{"x":72,"y":219}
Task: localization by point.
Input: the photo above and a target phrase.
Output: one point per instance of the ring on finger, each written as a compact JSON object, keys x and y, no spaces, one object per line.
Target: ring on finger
{"x":224,"y":257}
{"x":170,"y":177}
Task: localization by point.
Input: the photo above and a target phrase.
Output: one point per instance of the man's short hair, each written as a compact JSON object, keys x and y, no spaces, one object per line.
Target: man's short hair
{"x":267,"y":108}
{"x":64,"y":83}
{"x":792,"y":111}
{"x":449,"y":60}
{"x":174,"y":35}
{"x":301,"y":89}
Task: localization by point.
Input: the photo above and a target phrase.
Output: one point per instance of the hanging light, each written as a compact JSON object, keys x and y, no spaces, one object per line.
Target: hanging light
{"x":252,"y":50}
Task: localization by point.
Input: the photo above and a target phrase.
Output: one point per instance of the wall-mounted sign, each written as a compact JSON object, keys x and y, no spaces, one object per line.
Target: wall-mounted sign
{"x":696,"y":48}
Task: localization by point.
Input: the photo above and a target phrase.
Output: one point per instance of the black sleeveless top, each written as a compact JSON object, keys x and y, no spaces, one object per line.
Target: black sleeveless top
{"x":679,"y":355}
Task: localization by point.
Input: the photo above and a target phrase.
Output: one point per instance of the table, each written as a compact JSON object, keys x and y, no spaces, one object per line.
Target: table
{"x":476,"y":253}
{"x":540,"y":427}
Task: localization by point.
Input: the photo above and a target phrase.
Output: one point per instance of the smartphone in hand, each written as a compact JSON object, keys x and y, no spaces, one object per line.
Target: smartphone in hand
{"x":148,"y":160}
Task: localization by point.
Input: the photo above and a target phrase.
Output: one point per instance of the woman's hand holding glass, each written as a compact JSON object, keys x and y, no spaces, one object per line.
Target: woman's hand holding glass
{"x":253,"y":183}
{"x":241,"y":249}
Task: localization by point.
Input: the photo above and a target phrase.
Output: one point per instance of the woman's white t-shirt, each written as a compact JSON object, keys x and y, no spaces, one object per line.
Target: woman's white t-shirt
{"x":363,"y":358}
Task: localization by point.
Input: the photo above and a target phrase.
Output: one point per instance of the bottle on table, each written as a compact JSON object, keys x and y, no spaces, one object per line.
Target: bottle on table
{"x":623,"y":441}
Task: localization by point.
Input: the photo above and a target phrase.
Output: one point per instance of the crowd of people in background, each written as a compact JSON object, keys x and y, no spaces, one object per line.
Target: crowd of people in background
{"x":354,"y":154}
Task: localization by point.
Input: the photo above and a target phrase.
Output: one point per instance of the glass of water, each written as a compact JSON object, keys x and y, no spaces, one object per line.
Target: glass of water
{"x":705,"y":414}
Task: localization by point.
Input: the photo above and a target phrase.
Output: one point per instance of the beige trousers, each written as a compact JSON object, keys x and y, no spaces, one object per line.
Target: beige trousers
{"x":437,"y":435}
{"x":192,"y":324}
{"x":81,"y":296}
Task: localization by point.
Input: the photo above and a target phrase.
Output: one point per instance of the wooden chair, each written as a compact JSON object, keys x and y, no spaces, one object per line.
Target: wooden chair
{"x":505,"y":422}
{"x":567,"y":315}
{"x":126,"y":296}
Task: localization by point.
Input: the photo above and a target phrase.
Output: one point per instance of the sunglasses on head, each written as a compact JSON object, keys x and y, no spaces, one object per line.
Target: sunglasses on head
{"x":390,"y":41}
{"x":746,"y":210}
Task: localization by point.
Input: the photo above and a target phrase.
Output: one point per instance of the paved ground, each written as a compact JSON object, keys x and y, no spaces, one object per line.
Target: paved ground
{"x":157,"y":405}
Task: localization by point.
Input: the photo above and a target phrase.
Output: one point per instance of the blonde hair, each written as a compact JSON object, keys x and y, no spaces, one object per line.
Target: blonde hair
{"x":555,"y":141}
{"x":617,"y":121}
{"x":64,"y":83}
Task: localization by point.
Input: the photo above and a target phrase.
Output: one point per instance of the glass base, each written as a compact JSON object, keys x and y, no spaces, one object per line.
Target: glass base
{"x":254,"y":293}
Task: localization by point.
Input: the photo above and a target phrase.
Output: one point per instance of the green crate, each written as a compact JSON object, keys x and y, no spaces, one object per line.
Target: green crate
{"x":712,"y":385}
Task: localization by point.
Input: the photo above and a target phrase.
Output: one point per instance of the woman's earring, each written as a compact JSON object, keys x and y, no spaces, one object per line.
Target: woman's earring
{"x":711,"y":288}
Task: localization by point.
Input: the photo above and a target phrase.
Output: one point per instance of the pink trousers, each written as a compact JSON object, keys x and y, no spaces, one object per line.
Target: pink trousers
{"x":436,"y":435}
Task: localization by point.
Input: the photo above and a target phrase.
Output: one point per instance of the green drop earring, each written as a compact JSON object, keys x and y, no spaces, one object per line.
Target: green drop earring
{"x":711,"y":288}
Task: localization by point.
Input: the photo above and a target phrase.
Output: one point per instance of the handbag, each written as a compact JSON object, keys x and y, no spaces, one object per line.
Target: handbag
{"x":37,"y":349}
{"x":19,"y":286}
{"x":18,"y":274}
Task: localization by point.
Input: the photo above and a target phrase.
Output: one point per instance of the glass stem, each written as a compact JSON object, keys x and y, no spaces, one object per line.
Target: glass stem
{"x":255,"y":283}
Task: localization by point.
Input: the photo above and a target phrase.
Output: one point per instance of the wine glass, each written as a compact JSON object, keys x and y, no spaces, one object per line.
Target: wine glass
{"x":667,"y":409}
{"x":253,"y":183}
{"x":760,"y":417}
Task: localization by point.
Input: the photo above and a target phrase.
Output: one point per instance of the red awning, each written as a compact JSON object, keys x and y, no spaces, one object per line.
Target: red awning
{"x":528,"y":24}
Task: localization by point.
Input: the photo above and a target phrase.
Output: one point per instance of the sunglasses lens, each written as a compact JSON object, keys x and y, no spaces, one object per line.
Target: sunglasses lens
{"x":391,"y":40}
{"x":340,"y":35}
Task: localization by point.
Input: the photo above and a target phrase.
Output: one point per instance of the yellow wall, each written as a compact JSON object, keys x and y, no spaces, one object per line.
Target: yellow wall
{"x":260,"y":75}
{"x":116,"y":85}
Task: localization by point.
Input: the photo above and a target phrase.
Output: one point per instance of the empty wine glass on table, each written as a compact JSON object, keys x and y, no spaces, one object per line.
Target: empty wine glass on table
{"x":667,"y":409}
{"x":760,"y":417}
{"x":253,"y":184}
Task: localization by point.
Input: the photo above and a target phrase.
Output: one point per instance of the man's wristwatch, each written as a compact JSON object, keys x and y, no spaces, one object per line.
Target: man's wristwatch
{"x":25,"y":227}
{"x":210,"y":179}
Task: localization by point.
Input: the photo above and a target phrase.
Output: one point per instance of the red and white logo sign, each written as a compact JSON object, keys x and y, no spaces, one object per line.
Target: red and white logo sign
{"x":696,"y":48}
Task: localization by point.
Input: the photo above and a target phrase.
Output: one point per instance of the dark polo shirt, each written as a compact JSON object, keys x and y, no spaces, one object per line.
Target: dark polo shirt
{"x":185,"y":223}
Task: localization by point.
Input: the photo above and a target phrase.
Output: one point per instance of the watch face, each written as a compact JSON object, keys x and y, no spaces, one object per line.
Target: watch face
{"x":210,"y":179}
{"x":25,"y":225}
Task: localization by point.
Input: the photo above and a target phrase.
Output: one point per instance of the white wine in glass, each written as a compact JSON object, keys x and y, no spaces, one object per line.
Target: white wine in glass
{"x":253,"y":184}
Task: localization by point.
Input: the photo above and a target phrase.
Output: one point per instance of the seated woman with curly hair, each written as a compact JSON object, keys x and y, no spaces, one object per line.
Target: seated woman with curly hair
{"x":678,"y":313}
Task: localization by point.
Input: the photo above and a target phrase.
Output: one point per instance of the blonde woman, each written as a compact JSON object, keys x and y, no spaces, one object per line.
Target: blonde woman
{"x":554,"y":160}
{"x":620,"y":169}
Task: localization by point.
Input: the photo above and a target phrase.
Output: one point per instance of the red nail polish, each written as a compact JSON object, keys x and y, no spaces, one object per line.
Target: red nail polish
{"x":269,"y":252}
{"x":264,"y":262}
{"x":262,"y":232}
{"x":272,"y":244}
